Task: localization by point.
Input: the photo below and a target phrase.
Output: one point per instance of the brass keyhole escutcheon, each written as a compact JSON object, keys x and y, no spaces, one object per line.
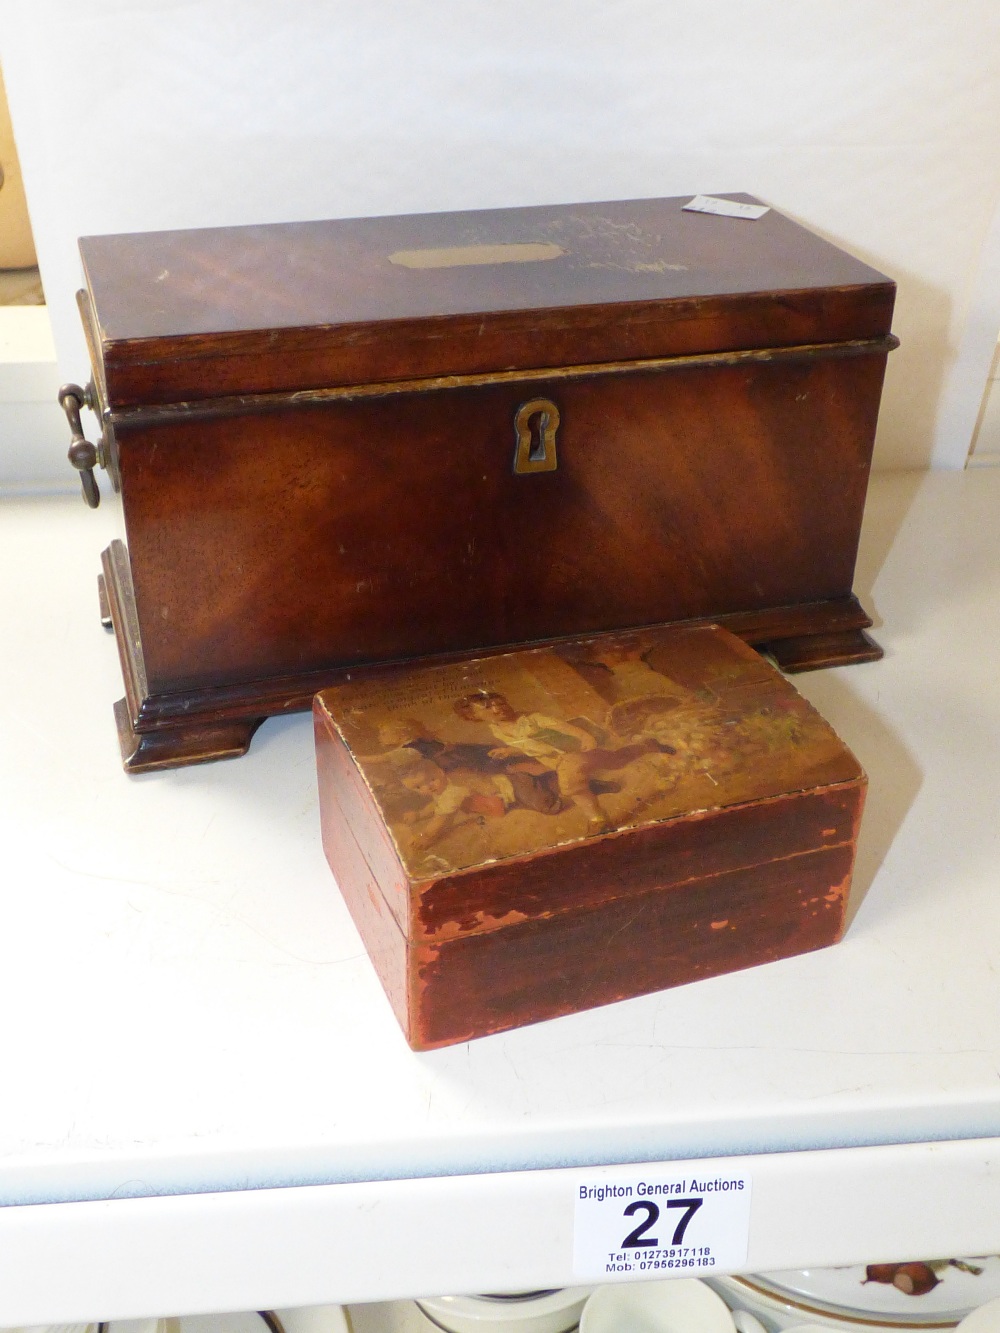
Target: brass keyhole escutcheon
{"x":535,"y":426}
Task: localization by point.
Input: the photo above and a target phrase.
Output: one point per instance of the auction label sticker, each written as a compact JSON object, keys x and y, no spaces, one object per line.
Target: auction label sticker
{"x":659,"y":1224}
{"x":725,"y":208}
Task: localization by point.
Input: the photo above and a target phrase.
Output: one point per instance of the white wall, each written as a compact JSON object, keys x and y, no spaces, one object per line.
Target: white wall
{"x":878,"y":124}
{"x":987,"y":436}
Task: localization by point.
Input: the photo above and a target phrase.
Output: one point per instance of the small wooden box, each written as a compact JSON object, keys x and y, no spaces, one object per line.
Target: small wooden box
{"x":373,"y":440}
{"x":533,"y":833}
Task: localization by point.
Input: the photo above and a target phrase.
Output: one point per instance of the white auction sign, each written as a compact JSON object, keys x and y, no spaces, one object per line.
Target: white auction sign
{"x":660,"y":1223}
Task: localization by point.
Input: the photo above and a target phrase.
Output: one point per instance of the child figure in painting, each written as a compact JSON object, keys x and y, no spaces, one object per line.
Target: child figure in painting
{"x":490,"y":777}
{"x":571,"y":752}
{"x":449,"y":804}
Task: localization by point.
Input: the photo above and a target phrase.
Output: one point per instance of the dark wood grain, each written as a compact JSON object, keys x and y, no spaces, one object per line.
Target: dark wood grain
{"x":198,"y":742}
{"x":192,"y":314}
{"x":181,"y":722}
{"x":315,"y":446}
{"x":343,"y":533}
{"x":809,"y":652}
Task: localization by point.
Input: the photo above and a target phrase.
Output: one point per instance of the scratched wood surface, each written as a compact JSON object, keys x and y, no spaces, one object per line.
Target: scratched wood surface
{"x":314,"y":427}
{"x":533,"y":833}
{"x":186,"y":315}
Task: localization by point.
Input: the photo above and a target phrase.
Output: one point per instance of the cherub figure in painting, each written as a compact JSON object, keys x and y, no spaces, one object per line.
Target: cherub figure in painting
{"x":404,"y":736}
{"x":517,"y":783}
{"x":449,"y":804}
{"x":568,"y":750}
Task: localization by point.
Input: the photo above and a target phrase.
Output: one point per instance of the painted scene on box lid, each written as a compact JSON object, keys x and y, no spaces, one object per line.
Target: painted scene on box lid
{"x":507,"y":755}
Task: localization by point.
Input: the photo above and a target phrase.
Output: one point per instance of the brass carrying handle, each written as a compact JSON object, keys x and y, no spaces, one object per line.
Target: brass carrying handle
{"x":82,"y":454}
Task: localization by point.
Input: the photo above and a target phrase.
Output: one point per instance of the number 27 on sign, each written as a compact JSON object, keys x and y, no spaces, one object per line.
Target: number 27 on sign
{"x":660,"y":1228}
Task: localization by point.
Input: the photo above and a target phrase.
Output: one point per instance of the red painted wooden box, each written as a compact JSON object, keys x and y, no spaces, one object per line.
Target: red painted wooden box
{"x":372,"y":440}
{"x":532,"y":833}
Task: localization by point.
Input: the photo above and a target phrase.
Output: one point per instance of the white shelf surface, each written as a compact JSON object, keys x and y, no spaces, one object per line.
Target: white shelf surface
{"x":207,"y":1103}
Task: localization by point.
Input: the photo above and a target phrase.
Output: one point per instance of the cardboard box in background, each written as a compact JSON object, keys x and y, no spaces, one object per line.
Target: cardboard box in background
{"x":17,"y":249}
